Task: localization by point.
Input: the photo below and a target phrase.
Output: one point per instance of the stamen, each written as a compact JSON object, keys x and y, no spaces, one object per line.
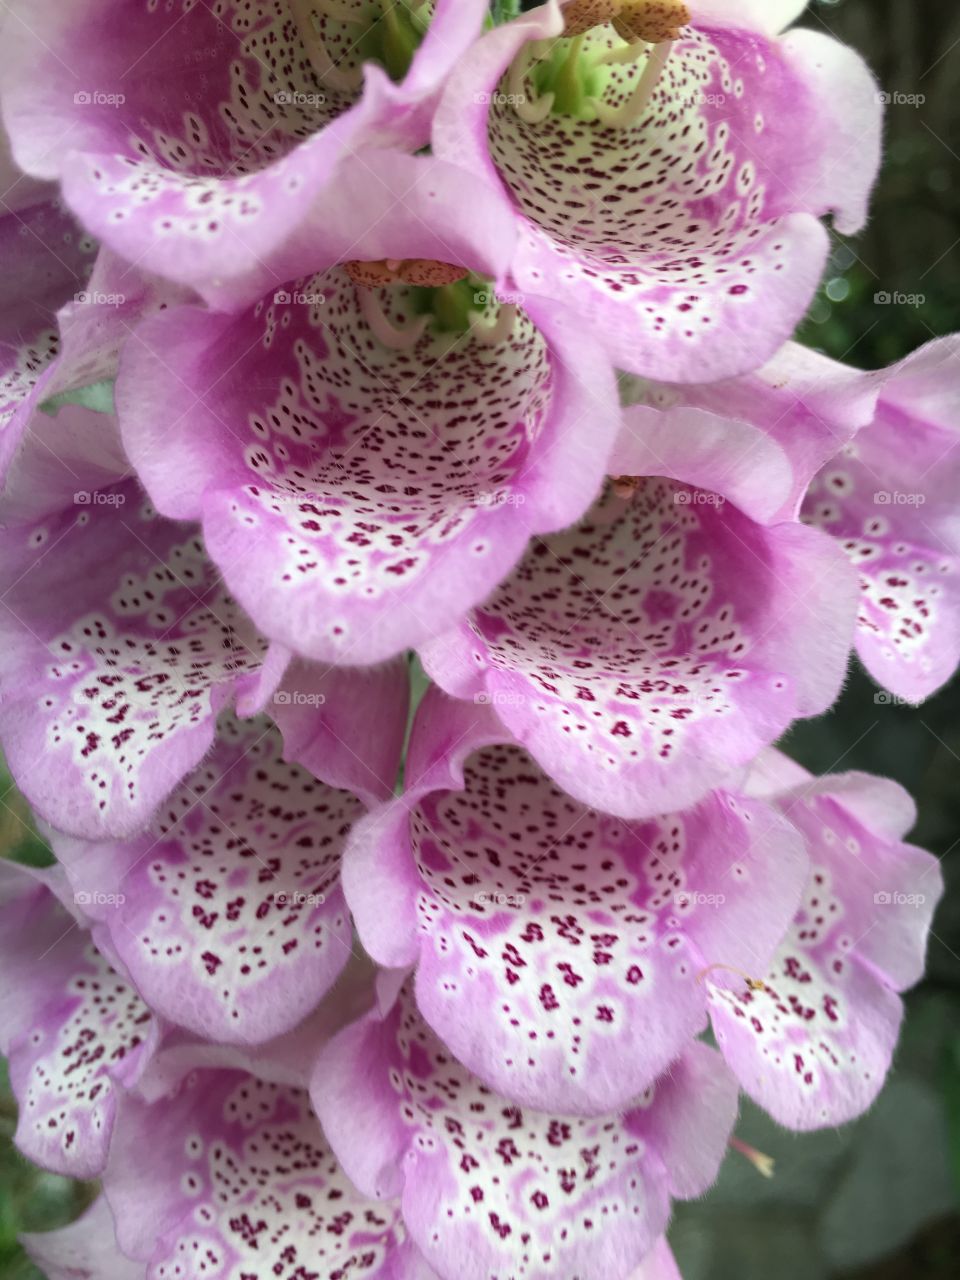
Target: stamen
{"x":344,"y":79}
{"x":632,"y":110}
{"x":655,"y":21}
{"x":762,"y":1163}
{"x":622,"y":54}
{"x":372,"y":275}
{"x":753,"y":983}
{"x":626,"y":486}
{"x":393,"y":337}
{"x":581,"y":16}
{"x":430,"y":274}
{"x":530,"y":108}
{"x":489,"y":335}
{"x":427,"y":273}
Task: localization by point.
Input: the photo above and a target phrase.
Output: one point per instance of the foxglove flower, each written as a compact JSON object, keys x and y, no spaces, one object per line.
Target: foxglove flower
{"x":811,"y":1040}
{"x":890,"y":498}
{"x":667,"y":174}
{"x":364,"y":474}
{"x":118,"y":648}
{"x":227,"y":912}
{"x":194,"y":138}
{"x":72,"y":1027}
{"x":658,"y":645}
{"x":488,"y":1187}
{"x":559,"y":950}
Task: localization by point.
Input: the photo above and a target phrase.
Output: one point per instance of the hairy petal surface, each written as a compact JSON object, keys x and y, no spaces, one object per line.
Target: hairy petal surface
{"x":119,"y":646}
{"x":194,"y":139}
{"x":890,"y":498}
{"x":241,"y":1183}
{"x":487,"y":1185}
{"x":72,"y":1028}
{"x":814,"y":1043}
{"x":804,"y":403}
{"x":227,"y":912}
{"x":651,"y":650}
{"x":558,"y":949}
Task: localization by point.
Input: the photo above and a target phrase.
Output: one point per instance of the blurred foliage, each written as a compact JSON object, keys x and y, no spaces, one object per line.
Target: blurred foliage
{"x":876,"y":1200}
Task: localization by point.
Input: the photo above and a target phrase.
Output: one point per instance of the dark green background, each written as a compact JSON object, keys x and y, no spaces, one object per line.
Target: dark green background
{"x":878,"y":1199}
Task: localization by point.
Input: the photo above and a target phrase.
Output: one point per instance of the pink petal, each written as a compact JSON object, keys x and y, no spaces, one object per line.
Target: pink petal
{"x":72,"y":1028}
{"x":487,"y":1186}
{"x":814,"y":1044}
{"x":558,"y":950}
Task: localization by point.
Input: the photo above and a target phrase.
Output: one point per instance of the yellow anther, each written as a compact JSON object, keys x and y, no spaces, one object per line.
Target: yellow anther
{"x":418,"y":271}
{"x":753,"y":983}
{"x":581,"y":16}
{"x":651,"y":20}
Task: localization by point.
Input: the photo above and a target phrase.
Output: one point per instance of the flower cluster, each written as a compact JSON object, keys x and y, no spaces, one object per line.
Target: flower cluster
{"x":337,"y":332}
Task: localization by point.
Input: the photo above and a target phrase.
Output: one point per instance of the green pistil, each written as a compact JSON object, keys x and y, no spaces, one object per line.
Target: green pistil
{"x":573,"y":79}
{"x":453,"y":307}
{"x":394,"y":39}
